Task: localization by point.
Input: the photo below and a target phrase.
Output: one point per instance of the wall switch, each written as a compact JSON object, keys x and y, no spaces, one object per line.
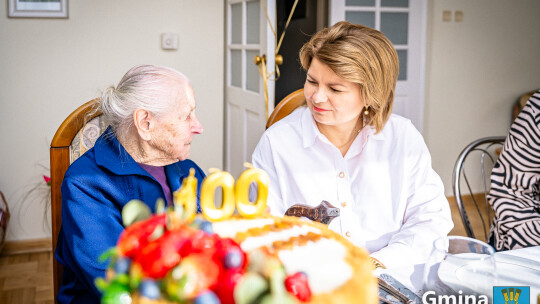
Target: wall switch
{"x":169,"y":41}
{"x":447,"y":16}
{"x":458,"y":16}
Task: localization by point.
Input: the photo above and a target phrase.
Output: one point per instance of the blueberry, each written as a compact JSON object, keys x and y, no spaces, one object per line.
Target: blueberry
{"x":196,"y":222}
{"x":207,"y":227}
{"x":122,"y":265}
{"x":233,"y":259}
{"x":208,"y":297}
{"x":149,"y":289}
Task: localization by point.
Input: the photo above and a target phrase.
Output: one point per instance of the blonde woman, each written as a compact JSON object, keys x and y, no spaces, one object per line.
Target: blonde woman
{"x":346,"y":147}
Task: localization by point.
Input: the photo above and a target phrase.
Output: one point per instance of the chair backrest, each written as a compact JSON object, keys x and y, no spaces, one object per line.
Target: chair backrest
{"x":478,"y":157}
{"x":75,"y":135}
{"x":520,"y":104}
{"x":286,"y":106}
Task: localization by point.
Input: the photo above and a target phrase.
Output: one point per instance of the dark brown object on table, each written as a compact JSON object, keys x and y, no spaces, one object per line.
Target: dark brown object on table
{"x":324,"y":213}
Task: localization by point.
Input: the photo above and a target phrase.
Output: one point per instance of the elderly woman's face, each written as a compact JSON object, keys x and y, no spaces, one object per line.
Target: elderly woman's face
{"x":331,"y":99}
{"x":175,"y":130}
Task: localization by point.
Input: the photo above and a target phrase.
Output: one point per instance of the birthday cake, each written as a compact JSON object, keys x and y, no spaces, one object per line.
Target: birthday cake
{"x":177,"y":257}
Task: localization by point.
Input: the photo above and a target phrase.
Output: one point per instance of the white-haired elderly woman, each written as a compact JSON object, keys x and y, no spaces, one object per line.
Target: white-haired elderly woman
{"x":142,"y":155}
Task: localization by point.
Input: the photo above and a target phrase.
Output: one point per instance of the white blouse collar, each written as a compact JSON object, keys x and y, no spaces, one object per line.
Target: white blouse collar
{"x":310,"y":131}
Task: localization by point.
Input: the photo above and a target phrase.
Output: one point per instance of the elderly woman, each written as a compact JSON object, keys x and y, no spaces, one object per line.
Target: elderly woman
{"x":347,"y":148}
{"x":142,"y":155}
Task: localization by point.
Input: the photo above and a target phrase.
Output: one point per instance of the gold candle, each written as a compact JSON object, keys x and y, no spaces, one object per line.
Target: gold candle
{"x":211,"y":182}
{"x":186,"y":196}
{"x":245,"y":207}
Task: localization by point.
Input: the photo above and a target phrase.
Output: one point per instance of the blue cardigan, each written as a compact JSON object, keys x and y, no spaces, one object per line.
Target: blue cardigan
{"x":95,"y":188}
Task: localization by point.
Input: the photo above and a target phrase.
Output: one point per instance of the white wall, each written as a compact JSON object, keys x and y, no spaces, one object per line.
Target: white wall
{"x":48,"y":67}
{"x":476,"y":69}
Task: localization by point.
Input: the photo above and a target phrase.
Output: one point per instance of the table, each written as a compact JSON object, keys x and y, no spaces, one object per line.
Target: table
{"x":412,"y":276}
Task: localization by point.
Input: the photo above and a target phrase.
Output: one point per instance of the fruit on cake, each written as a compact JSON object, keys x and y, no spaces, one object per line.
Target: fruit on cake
{"x":176,"y":256}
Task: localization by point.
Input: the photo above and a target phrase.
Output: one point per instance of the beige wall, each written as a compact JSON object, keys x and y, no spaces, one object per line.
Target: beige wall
{"x":49,"y":67}
{"x":476,"y":69}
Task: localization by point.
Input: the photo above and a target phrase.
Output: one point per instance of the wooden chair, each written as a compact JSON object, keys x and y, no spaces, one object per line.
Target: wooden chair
{"x":520,"y":104}
{"x":480,"y":157}
{"x":286,"y":106}
{"x":75,"y":135}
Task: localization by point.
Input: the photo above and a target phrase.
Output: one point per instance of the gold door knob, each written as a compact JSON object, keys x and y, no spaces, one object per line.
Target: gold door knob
{"x":279,"y":59}
{"x":259,"y":59}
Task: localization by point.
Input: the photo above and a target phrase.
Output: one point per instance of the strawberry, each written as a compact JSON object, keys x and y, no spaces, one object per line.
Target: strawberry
{"x":227,"y":282}
{"x":196,"y":274}
{"x":161,"y":255}
{"x":203,"y":243}
{"x":137,"y":235}
{"x":233,"y":260}
{"x":298,"y":285}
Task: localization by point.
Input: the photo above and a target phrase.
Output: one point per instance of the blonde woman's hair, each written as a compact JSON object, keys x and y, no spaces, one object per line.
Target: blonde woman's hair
{"x":146,"y":87}
{"x":361,"y":55}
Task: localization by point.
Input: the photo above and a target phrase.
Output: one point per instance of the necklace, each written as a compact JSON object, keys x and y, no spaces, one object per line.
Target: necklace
{"x":358,"y":127}
{"x":351,"y":138}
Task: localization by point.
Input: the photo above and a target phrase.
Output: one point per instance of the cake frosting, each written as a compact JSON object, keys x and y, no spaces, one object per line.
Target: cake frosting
{"x":174,"y":257}
{"x":337,"y":271}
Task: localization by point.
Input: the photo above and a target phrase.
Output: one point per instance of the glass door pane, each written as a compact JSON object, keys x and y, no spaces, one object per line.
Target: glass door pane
{"x":252,"y":72}
{"x":364,"y":18}
{"x":395,"y":3}
{"x":402,"y":54}
{"x":236,"y":68}
{"x":360,"y":2}
{"x":388,"y":16}
{"x":236,"y":23}
{"x":253,"y":21}
{"x":395,"y":26}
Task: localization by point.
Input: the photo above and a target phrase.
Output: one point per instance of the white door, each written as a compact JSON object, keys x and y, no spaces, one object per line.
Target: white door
{"x":248,"y":35}
{"x":404,"y":23}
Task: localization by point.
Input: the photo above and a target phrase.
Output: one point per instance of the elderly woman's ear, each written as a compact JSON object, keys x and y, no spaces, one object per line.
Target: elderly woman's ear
{"x":142,"y":119}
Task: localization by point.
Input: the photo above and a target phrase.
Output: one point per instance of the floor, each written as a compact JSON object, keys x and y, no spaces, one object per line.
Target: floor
{"x":27,"y":278}
{"x":476,"y":222}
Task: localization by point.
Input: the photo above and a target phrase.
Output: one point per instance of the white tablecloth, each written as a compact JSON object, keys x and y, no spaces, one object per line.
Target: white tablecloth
{"x":412,"y":276}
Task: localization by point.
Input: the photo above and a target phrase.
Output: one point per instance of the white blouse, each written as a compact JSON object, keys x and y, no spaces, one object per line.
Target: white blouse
{"x":391,"y":201}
